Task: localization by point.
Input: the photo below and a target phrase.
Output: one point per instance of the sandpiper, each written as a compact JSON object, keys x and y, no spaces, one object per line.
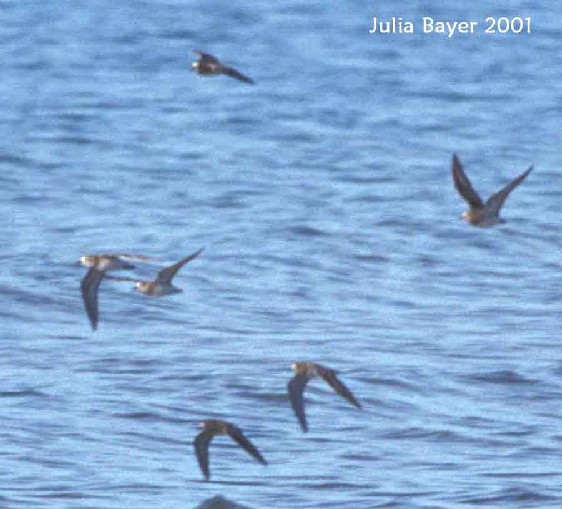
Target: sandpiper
{"x":304,"y":371}
{"x":482,"y":213}
{"x":99,"y":264}
{"x":212,"y":427}
{"x":112,"y":261}
{"x":162,"y":285}
{"x":208,"y":65}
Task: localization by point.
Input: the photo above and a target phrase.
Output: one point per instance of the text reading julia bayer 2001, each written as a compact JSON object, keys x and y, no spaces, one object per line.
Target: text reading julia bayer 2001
{"x":451,"y":28}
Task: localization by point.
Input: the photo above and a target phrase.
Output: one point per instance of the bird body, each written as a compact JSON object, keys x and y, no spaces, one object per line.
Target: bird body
{"x":304,"y":372}
{"x":162,"y":285}
{"x":214,"y":427}
{"x":105,"y":262}
{"x":482,"y":213}
{"x":208,"y":65}
{"x":98,"y":265}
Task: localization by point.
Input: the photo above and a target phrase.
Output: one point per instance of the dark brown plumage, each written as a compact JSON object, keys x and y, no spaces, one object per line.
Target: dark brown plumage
{"x":305,"y":371}
{"x":213,"y":427}
{"x":208,"y":65}
{"x":482,"y":213}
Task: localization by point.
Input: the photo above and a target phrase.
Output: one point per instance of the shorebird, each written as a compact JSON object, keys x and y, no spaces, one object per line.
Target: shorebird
{"x":212,"y":427}
{"x":162,"y":285}
{"x":208,"y":65}
{"x":99,"y":264}
{"x":482,"y":213}
{"x":304,"y":371}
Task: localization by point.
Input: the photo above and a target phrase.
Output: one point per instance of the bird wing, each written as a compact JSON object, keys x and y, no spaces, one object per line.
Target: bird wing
{"x":89,"y":286}
{"x":233,"y":73}
{"x":236,"y":434}
{"x":166,"y":275}
{"x":207,"y":58}
{"x":121,"y":278}
{"x":463,"y":185}
{"x":295,"y":388}
{"x":496,"y":201}
{"x":140,"y":258}
{"x":201,"y":445}
{"x":335,"y":383}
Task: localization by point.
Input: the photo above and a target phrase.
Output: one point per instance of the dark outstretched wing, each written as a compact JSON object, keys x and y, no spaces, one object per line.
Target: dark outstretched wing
{"x":90,"y":285}
{"x":236,"y":434}
{"x":122,"y":278}
{"x":331,"y":378}
{"x":166,"y":275}
{"x":201,"y":444}
{"x":295,"y":388}
{"x":463,"y":185}
{"x":496,"y":201}
{"x":207,"y":58}
{"x":140,"y":258}
{"x":233,"y":73}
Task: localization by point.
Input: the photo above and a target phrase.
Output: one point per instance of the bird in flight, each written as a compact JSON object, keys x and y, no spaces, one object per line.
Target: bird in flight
{"x":482,"y":213}
{"x":305,"y":371}
{"x":208,"y":65}
{"x":162,"y":285}
{"x":98,"y":265}
{"x":213,"y":427}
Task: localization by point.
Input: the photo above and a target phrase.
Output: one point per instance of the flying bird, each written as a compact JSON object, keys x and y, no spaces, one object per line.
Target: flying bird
{"x":304,"y":371}
{"x":482,"y":213}
{"x":162,"y":285}
{"x":98,"y":265}
{"x":211,"y":428}
{"x":111,"y":261}
{"x":208,"y":65}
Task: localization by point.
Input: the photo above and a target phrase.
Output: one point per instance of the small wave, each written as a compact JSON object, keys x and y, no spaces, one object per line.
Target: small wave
{"x":150,"y":416}
{"x":307,"y":231}
{"x":429,"y":434}
{"x":64,"y":495}
{"x":502,"y":377}
{"x":25,"y":393}
{"x":509,"y":496}
{"x":14,"y":159}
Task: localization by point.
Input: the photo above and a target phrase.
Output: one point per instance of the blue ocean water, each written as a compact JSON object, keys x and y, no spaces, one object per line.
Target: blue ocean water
{"x":323,"y":198}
